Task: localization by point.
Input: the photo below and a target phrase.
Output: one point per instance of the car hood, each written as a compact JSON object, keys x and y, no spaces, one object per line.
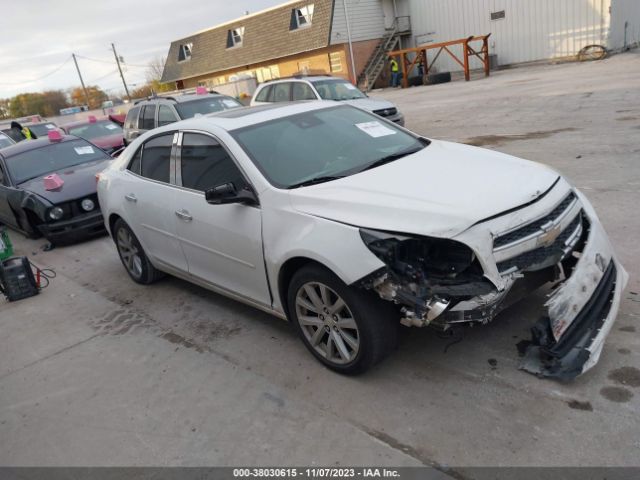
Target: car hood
{"x":108,"y":142}
{"x":370,"y":103}
{"x":439,"y":191}
{"x":79,"y":181}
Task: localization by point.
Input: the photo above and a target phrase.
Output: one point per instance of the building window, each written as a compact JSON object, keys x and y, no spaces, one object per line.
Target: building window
{"x":301,"y":17}
{"x":335,"y":61}
{"x":234,"y":37}
{"x":184,"y":53}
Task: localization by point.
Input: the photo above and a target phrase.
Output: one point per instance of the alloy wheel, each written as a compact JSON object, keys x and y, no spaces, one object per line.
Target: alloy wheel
{"x":129,"y":252}
{"x":327,"y":323}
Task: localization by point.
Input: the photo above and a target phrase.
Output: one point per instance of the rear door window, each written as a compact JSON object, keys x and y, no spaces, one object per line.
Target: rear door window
{"x":147,"y":118}
{"x":134,"y":164}
{"x":132,"y":118}
{"x":263,"y":95}
{"x":280,"y":92}
{"x":156,"y":155}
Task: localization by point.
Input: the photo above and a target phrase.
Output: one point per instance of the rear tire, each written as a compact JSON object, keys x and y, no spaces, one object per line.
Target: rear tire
{"x":347,"y":329}
{"x":132,"y":255}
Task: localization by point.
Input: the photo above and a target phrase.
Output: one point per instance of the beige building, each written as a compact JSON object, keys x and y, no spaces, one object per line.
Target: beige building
{"x":295,"y":37}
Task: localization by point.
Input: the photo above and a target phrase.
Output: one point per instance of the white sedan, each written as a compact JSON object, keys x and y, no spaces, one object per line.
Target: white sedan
{"x":348,"y":225}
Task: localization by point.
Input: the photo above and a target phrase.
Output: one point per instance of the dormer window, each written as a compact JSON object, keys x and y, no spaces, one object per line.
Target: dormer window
{"x":301,"y":17}
{"x":184,"y":53}
{"x":234,"y":37}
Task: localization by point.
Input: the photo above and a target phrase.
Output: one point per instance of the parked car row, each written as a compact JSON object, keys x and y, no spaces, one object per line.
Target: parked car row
{"x":331,"y":215}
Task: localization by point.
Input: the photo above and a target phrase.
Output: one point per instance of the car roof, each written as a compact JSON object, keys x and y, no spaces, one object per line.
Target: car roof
{"x":303,"y":78}
{"x":27,"y":145}
{"x":84,"y":122}
{"x":245,"y":116}
{"x":180,"y":98}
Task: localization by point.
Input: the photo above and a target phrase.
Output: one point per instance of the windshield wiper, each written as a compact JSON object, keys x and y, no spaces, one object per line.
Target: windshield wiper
{"x":391,"y":158}
{"x":315,"y":181}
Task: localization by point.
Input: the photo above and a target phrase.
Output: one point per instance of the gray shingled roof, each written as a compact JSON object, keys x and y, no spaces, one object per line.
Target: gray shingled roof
{"x":266,"y":37}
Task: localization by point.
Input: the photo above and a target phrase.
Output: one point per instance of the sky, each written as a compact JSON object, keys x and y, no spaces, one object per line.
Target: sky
{"x":37,"y":38}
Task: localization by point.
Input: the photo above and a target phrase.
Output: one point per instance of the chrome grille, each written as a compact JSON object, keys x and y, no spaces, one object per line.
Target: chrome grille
{"x":536,"y":226}
{"x":386,"y":112}
{"x":545,"y":255}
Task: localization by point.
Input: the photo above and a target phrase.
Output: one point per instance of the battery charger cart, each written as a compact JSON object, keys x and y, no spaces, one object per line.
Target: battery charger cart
{"x":16,"y":277}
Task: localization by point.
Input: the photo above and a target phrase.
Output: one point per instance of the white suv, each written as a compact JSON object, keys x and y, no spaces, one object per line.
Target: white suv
{"x":323,"y":87}
{"x":348,"y":225}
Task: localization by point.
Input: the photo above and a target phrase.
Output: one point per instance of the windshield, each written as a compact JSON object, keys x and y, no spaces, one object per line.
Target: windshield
{"x":41,"y":129}
{"x":333,"y":142}
{"x":51,"y":158}
{"x":337,"y":90}
{"x":102,"y":128}
{"x":206,"y":105}
{"x":5,"y":141}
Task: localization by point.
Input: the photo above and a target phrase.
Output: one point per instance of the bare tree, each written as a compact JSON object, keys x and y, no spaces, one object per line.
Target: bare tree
{"x":155,"y":69}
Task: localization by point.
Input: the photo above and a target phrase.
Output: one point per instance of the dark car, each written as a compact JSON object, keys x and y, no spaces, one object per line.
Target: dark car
{"x":158,"y":111}
{"x":65,"y":211}
{"x":102,"y":132}
{"x":36,"y":126}
{"x":5,"y":140}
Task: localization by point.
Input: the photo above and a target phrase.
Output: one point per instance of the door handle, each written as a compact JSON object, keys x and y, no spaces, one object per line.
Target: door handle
{"x":131,"y":197}
{"x":184,"y":215}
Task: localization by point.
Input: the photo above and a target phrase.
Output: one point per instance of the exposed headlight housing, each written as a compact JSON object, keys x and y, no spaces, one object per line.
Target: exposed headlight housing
{"x":417,"y":258}
{"x":56,"y":213}
{"x":87,"y":204}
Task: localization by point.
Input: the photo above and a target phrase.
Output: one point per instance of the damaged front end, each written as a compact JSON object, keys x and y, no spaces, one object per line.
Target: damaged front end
{"x":430,"y":279}
{"x":442,"y":282}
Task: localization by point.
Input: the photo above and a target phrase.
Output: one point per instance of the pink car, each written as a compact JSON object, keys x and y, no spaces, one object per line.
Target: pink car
{"x":105,"y":132}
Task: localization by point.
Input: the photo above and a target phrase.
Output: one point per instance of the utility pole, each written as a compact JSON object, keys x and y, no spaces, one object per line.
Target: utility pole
{"x":353,"y":63}
{"x":126,"y":89}
{"x":86,"y":94}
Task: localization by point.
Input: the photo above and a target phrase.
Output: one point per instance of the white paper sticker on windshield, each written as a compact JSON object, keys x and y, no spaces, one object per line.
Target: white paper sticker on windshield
{"x":375,"y":129}
{"x":229,"y":103}
{"x":49,"y":126}
{"x":350,"y":87}
{"x":111,"y":126}
{"x":88,"y":150}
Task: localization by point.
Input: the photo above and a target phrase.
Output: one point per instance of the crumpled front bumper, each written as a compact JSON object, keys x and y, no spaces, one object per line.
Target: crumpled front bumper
{"x":581,"y":310}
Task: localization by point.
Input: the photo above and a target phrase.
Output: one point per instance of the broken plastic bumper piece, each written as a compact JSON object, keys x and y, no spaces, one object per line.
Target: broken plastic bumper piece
{"x":581,"y":311}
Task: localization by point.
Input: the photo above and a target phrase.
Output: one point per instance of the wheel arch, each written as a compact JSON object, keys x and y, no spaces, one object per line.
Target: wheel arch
{"x":113,"y":218}
{"x":286,"y":273}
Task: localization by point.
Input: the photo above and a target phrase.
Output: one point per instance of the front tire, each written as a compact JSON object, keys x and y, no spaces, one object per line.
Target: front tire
{"x":346,"y":329}
{"x":132,"y":255}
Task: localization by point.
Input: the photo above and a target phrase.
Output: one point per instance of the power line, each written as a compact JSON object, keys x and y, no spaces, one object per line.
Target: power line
{"x":111,"y":62}
{"x":42,"y":77}
{"x":103,"y":77}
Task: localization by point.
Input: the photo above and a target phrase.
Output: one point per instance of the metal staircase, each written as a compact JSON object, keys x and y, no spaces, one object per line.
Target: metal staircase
{"x":378,"y":58}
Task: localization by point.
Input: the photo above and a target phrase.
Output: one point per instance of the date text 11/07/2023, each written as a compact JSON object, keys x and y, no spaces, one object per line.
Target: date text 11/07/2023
{"x":316,"y":472}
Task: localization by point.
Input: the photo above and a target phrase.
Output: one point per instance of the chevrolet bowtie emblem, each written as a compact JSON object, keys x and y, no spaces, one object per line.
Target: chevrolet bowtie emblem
{"x":549,"y":236}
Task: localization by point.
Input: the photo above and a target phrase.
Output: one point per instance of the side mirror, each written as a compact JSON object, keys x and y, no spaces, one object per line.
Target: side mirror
{"x":227,"y":193}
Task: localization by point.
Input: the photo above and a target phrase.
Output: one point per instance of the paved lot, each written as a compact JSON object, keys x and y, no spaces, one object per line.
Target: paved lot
{"x":99,"y":371}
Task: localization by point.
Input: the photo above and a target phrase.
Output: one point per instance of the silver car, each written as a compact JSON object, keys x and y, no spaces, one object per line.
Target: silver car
{"x":158,"y":111}
{"x":323,"y":87}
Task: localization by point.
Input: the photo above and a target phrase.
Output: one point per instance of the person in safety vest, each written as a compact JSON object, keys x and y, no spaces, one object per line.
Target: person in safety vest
{"x":21,"y":131}
{"x":395,"y":74}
